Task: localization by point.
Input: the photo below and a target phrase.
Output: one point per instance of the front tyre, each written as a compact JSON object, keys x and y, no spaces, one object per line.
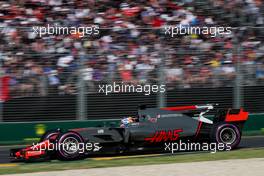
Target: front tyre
{"x":69,"y":146}
{"x":227,"y":134}
{"x":50,"y":135}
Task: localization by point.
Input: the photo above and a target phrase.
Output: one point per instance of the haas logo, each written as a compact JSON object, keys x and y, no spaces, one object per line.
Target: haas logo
{"x":164,"y":136}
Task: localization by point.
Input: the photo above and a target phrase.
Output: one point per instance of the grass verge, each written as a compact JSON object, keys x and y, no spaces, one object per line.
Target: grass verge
{"x":129,"y":160}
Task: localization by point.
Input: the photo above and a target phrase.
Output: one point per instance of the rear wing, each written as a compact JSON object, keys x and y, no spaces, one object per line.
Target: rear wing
{"x":231,"y":115}
{"x":235,"y":115}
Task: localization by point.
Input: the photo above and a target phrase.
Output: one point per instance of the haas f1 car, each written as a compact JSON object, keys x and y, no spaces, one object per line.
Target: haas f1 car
{"x":149,"y":130}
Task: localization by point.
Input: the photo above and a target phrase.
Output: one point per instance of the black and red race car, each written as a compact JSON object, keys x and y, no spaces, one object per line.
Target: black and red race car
{"x":149,"y":130}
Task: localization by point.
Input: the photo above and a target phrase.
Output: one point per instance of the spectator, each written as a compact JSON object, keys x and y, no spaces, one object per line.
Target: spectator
{"x":130,"y":47}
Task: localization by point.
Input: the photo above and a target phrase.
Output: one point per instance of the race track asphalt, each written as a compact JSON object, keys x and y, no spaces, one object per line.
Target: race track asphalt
{"x":246,"y":142}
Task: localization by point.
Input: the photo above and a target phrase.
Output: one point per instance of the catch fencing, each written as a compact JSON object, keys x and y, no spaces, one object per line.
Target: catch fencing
{"x":47,"y":85}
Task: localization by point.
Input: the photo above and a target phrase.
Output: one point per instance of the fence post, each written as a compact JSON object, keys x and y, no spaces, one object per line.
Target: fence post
{"x":161,"y":74}
{"x":1,"y":91}
{"x":81,"y":96}
{"x":237,"y":99}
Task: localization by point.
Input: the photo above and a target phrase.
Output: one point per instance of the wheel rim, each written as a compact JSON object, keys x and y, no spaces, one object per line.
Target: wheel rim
{"x":70,"y":145}
{"x":228,"y":135}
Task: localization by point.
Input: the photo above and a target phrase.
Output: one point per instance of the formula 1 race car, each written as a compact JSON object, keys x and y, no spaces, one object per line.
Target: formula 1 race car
{"x":149,"y":130}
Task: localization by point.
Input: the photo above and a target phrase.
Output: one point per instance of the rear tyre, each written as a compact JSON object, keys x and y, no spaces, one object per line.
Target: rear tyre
{"x":227,"y":134}
{"x":69,"y":146}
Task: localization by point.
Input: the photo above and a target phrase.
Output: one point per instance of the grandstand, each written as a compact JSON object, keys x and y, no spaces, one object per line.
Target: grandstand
{"x":60,"y":74}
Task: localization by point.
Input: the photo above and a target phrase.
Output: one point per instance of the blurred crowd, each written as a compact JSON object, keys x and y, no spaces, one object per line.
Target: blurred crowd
{"x":131,"y":46}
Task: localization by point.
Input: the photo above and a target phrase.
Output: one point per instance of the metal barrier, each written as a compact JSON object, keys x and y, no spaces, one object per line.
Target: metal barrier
{"x":29,"y":132}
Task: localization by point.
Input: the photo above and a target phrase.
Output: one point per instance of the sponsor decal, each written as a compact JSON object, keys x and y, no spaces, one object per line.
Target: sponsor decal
{"x":100,"y":131}
{"x":164,"y":136}
{"x":40,"y":129}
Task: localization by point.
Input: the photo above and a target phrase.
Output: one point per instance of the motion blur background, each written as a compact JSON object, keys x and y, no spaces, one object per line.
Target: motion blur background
{"x":56,"y":77}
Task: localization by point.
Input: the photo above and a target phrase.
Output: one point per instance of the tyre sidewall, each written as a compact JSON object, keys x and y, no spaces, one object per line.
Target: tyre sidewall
{"x":48,"y":135}
{"x":219,"y":128}
{"x":61,"y":153}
